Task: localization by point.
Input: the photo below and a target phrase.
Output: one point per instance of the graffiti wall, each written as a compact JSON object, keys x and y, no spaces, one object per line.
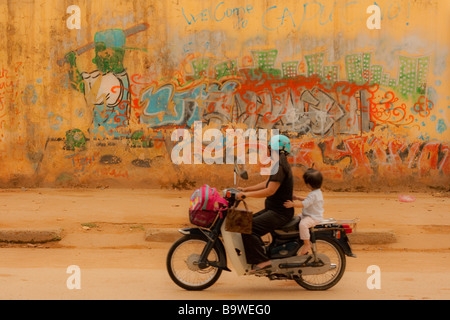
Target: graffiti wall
{"x":91,"y":92}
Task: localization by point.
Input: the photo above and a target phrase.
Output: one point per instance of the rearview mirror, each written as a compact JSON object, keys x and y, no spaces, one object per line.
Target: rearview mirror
{"x":239,"y":169}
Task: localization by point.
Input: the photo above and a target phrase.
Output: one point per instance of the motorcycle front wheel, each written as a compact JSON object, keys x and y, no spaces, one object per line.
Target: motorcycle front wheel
{"x":330,"y":278}
{"x":182,"y":263}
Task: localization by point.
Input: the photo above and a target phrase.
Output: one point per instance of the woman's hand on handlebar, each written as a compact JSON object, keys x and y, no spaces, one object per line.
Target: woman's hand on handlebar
{"x":240,"y":196}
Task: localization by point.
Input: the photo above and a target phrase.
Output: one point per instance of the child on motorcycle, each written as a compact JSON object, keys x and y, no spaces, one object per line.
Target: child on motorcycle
{"x":312,"y":212}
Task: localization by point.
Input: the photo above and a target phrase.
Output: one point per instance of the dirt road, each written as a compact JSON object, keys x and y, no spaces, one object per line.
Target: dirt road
{"x":104,"y":235}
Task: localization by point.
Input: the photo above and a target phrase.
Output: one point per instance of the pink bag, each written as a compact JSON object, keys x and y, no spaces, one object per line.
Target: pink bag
{"x":206,"y":203}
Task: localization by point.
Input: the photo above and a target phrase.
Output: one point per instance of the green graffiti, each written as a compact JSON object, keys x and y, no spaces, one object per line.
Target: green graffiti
{"x":138,"y":140}
{"x":75,"y":139}
{"x":108,"y":59}
{"x":265,"y":61}
{"x":227,"y":68}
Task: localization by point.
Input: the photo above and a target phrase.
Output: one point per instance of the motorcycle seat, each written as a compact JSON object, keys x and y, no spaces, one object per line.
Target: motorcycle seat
{"x":292,"y":226}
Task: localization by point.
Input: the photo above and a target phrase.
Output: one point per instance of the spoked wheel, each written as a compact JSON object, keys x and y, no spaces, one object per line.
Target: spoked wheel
{"x":182,"y":263}
{"x":330,"y":278}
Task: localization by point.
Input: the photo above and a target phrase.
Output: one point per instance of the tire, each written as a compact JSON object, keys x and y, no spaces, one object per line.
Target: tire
{"x":181,"y":263}
{"x":329,"y":279}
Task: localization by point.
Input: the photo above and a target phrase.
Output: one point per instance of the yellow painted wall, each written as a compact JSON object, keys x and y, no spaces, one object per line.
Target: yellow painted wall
{"x":368,"y":107}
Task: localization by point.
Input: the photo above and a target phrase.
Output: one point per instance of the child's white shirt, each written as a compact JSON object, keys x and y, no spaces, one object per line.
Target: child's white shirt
{"x":313,"y":205}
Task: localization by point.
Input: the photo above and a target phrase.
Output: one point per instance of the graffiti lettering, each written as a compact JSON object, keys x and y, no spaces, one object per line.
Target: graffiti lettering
{"x":297,"y":16}
{"x":323,"y":13}
{"x":81,"y":162}
{"x":358,"y":157}
{"x":112,"y":173}
{"x":219,"y":13}
{"x":11,"y":97}
{"x":265,"y":97}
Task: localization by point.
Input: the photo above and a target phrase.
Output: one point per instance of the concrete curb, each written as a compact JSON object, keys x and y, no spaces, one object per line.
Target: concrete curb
{"x":372,"y":237}
{"x":358,"y":237}
{"x":162,"y":235}
{"x":29,"y":236}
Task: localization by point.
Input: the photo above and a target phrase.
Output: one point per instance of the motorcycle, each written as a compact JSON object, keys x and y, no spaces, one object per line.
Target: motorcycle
{"x":197,"y":259}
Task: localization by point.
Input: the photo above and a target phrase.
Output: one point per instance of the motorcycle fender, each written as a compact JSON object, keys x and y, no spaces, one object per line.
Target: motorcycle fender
{"x":207,"y":235}
{"x":343,"y":242}
{"x":345,"y":245}
{"x":194,"y":231}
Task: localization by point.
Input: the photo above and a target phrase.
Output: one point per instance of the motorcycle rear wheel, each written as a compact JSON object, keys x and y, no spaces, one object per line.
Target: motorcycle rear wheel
{"x":329,"y":279}
{"x":182,"y":263}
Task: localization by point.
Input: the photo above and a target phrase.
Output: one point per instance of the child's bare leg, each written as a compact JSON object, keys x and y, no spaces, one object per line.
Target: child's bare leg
{"x":304,"y":226}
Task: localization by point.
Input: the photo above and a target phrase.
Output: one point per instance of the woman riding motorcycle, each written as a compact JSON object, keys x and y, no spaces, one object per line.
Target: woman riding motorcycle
{"x":277,"y":189}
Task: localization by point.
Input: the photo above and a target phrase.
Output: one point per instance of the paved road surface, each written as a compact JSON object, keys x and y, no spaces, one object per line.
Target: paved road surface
{"x":39,"y":273}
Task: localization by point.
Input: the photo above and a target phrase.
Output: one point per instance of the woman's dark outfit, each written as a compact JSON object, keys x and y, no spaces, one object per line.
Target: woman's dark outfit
{"x":274,"y":215}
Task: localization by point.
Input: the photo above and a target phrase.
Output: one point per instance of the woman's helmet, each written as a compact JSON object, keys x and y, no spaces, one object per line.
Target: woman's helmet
{"x":280,"y":142}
